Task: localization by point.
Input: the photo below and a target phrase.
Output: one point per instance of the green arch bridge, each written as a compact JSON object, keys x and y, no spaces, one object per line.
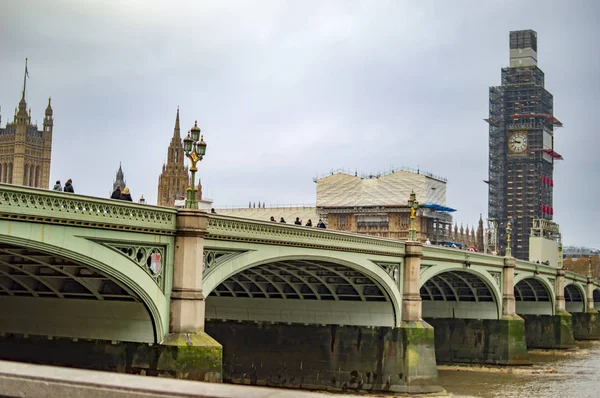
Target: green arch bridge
{"x":143,"y":289}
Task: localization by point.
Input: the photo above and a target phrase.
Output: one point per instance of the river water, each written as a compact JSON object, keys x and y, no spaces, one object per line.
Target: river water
{"x":570,"y":374}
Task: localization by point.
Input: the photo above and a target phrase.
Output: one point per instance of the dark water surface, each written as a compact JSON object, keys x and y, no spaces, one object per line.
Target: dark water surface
{"x":574,"y":374}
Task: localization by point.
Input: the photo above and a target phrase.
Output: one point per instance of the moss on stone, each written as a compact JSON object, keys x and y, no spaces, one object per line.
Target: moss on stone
{"x":192,"y":356}
{"x":517,"y":344}
{"x":419,"y":365}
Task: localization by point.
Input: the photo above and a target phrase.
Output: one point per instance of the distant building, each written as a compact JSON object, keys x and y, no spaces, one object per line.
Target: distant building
{"x":174,"y":179}
{"x":378,"y":205}
{"x":25,"y":151}
{"x":579,"y":252}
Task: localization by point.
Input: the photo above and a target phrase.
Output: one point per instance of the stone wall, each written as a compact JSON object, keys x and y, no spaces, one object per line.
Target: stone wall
{"x":489,"y":341}
{"x":549,"y":331}
{"x":200,"y":360}
{"x":586,"y":325}
{"x":328,"y":357}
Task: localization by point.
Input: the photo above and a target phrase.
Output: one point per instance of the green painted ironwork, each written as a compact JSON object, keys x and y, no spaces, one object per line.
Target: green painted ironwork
{"x":37,"y":205}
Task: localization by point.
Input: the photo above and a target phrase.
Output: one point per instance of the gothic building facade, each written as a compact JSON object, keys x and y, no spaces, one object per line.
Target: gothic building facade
{"x":25,"y":151}
{"x":174,"y":179}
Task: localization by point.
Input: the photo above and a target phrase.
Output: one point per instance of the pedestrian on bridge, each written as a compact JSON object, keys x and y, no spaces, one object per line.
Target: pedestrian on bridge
{"x":273,"y":219}
{"x":116,"y":193}
{"x":309,"y":223}
{"x":57,"y":186}
{"x":282,"y":220}
{"x":69,"y":186}
{"x":125,"y":195}
{"x":321,"y":224}
{"x":298,"y":222}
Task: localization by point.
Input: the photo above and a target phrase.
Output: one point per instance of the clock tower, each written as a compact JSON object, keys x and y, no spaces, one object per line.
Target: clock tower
{"x":521,"y":146}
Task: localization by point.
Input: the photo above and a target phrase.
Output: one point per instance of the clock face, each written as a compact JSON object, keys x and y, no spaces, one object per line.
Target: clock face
{"x":517,"y":142}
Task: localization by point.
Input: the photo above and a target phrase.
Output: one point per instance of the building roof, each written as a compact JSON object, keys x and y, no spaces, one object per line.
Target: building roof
{"x":342,"y":189}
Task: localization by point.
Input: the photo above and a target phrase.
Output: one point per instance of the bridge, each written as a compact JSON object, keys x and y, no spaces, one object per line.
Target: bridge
{"x":104,"y":284}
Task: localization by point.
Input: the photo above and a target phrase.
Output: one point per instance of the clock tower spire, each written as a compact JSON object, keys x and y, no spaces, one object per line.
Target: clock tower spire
{"x":521,"y":146}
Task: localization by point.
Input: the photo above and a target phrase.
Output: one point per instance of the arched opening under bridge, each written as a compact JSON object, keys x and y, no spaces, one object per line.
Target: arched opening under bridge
{"x":597,"y":299}
{"x":458,"y":294}
{"x":533,"y":297}
{"x":574,"y":298}
{"x":51,"y":295}
{"x":301,"y":291}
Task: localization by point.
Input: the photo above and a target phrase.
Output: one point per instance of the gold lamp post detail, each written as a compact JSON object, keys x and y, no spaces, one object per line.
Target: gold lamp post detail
{"x":508,"y":233}
{"x":414,"y":206}
{"x":195,"y":149}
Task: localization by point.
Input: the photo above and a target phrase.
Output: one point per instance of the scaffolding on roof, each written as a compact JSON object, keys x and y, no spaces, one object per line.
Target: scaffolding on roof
{"x":379,"y":174}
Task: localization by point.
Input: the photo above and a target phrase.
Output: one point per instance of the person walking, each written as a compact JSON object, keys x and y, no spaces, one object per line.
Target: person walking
{"x":57,"y":186}
{"x":321,"y":224}
{"x":116,"y":193}
{"x":282,"y":220}
{"x":273,"y":219}
{"x":298,"y":222}
{"x":125,"y":195}
{"x":309,"y":223}
{"x":69,"y":186}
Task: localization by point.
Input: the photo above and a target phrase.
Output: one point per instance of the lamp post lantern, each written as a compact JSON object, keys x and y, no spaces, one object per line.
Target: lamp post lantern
{"x":195,"y":149}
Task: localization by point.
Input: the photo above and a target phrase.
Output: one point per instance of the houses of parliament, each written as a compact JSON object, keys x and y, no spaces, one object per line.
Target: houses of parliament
{"x":26,"y":151}
{"x":174,"y":179}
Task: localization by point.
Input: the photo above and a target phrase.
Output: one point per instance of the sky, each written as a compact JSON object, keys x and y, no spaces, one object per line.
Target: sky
{"x":285,"y":91}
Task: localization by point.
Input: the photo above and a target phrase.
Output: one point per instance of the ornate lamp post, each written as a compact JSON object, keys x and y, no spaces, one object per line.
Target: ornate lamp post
{"x":195,"y":149}
{"x":508,"y":243}
{"x":414,"y":206}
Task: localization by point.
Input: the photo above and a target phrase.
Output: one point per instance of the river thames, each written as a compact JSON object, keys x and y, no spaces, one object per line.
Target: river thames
{"x":572,"y":374}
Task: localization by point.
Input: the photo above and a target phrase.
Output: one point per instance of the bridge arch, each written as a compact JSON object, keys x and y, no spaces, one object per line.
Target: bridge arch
{"x":574,"y":297}
{"x":101,"y":295}
{"x":459,"y":292}
{"x":533,"y":295}
{"x":291,"y":284}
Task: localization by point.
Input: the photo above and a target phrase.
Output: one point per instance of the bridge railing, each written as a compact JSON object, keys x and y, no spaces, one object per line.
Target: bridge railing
{"x":40,"y":205}
{"x":246,"y":230}
{"x":446,"y":254}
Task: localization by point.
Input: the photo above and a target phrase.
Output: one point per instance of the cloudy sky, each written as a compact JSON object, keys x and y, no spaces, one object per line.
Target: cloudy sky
{"x":285,"y":91}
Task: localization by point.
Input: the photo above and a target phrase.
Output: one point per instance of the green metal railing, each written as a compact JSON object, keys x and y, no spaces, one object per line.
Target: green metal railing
{"x":38,"y":205}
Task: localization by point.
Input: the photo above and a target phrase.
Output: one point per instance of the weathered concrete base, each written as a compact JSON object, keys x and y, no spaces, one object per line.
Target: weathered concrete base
{"x":490,"y":341}
{"x":549,"y":331}
{"x":193,"y":357}
{"x":35,"y":381}
{"x":332,"y":358}
{"x":586,"y":325}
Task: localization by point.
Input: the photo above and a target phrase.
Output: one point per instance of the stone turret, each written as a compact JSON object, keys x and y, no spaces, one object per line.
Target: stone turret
{"x":119,"y":179}
{"x":480,"y":234}
{"x":48,"y":117}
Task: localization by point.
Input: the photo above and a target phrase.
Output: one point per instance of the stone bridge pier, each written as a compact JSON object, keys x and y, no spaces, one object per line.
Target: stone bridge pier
{"x":586,"y":324}
{"x":474,"y":315}
{"x":545,"y":328}
{"x":195,"y":355}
